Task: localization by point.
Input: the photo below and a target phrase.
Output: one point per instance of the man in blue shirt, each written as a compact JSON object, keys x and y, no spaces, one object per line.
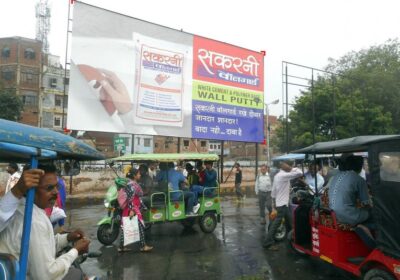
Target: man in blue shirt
{"x":345,"y":189}
{"x":349,"y":199}
{"x":175,"y":179}
{"x":210,"y":180}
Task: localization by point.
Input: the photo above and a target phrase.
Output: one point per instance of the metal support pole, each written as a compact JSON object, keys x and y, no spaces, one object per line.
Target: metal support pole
{"x":179,"y":145}
{"x":26,"y":232}
{"x":256,"y":171}
{"x":222,"y":161}
{"x":268,"y":131}
{"x":70,"y":184}
{"x":65,"y":66}
{"x":287,"y":110}
{"x":334,"y":109}
{"x":313,"y":104}
{"x":133,"y":144}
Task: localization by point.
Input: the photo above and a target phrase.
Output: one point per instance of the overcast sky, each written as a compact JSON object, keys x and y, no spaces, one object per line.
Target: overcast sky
{"x":301,"y":31}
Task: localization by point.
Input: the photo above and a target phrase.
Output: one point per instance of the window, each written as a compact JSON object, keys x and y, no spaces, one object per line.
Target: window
{"x":53,"y":82}
{"x":8,"y":75}
{"x":390,"y":166}
{"x":30,"y":99}
{"x":155,"y":145}
{"x":186,"y":143}
{"x":57,"y":121}
{"x":29,"y":76}
{"x":166,"y":146}
{"x":29,"y":53}
{"x":146,"y":142}
{"x":138,"y":141}
{"x":5,"y":52}
{"x":203,"y":143}
{"x":219,"y":147}
{"x":58,"y":100}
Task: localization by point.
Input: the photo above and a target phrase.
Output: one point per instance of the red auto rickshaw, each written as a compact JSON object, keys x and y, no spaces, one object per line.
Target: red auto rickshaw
{"x":316,"y":231}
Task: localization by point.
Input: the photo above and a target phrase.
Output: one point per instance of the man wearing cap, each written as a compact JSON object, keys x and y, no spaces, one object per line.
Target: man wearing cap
{"x":280,"y":200}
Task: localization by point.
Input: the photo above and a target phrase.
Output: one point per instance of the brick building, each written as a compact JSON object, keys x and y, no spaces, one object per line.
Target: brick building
{"x":20,"y":69}
{"x":53,"y":103}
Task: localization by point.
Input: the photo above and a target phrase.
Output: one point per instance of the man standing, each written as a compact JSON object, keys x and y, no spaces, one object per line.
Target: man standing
{"x":238,"y":181}
{"x":12,"y":169}
{"x":263,"y":190}
{"x":280,"y":200}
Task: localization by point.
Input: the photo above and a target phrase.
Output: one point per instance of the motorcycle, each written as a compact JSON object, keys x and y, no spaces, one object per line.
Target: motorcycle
{"x":300,"y":193}
{"x":109,"y":225}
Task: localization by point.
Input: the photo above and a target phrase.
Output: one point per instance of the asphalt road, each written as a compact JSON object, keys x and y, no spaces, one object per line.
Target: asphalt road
{"x":191,"y":254}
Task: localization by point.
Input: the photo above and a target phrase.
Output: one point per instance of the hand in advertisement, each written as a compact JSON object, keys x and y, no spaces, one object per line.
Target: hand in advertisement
{"x":116,"y":89}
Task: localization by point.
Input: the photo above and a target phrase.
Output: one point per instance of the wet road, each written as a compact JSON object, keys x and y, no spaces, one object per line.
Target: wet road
{"x":191,"y":254}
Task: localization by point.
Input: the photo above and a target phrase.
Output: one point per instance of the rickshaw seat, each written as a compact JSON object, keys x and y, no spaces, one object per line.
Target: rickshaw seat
{"x":345,"y":227}
{"x":328,"y":219}
{"x":9,"y":266}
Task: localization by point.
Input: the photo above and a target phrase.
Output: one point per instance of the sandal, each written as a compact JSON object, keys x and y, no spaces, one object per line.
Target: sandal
{"x":146,"y":248}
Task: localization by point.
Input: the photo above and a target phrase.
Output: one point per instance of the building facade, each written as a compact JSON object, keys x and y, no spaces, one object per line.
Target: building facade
{"x":21,"y":70}
{"x":54,"y":105}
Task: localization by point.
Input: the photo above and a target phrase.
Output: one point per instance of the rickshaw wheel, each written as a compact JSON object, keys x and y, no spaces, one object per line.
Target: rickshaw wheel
{"x":105,"y":236}
{"x":378,"y":274}
{"x":208,"y":222}
{"x":280,"y":233}
{"x":189,"y":222}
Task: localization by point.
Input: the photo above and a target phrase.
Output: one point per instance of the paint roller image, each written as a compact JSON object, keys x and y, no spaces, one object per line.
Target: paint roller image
{"x":94,"y":77}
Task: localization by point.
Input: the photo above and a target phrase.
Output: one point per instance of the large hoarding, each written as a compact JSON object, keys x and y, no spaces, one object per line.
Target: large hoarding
{"x":131,"y":76}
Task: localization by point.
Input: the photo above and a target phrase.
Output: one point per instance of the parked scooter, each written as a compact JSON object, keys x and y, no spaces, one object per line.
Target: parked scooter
{"x":109,"y":226}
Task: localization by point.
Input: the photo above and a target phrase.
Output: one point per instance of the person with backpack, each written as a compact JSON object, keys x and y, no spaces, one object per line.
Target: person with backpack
{"x":129,"y":199}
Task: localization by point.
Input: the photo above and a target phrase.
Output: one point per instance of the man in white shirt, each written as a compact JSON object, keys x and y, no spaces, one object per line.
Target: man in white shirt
{"x":42,"y":261}
{"x":280,"y":199}
{"x":263,"y":189}
{"x":10,"y":201}
{"x":12,"y":169}
{"x":310,"y":178}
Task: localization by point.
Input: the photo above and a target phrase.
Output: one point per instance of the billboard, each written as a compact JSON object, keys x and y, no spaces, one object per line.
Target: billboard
{"x":131,"y":76}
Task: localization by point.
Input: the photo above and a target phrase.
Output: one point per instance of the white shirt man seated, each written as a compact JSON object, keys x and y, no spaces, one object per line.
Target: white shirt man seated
{"x":42,"y":261}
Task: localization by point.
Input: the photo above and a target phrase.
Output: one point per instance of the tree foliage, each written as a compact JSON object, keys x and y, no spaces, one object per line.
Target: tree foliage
{"x":10,"y":105}
{"x":363,"y":98}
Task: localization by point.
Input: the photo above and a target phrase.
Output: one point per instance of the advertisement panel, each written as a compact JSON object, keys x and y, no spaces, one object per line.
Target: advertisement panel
{"x":131,"y":76}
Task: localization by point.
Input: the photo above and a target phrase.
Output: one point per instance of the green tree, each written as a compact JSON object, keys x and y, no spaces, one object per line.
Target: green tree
{"x":365,"y":95}
{"x":10,"y":105}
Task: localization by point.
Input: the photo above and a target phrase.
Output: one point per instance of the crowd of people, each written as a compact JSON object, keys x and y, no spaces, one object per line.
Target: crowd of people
{"x":351,"y":205}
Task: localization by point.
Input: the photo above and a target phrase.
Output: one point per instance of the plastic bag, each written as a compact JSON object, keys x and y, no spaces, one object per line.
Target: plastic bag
{"x":57,"y":214}
{"x":131,"y":230}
